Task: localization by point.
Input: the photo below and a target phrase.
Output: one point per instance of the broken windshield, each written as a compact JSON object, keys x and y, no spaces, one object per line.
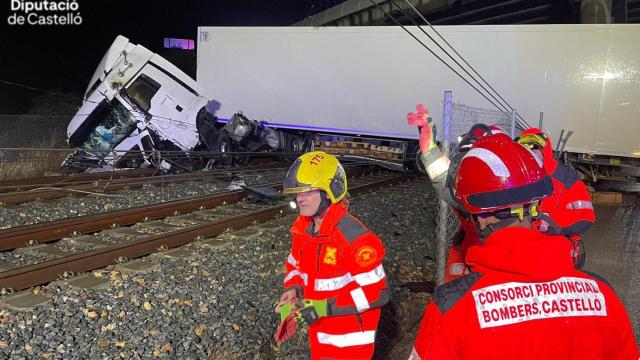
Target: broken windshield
{"x":112,"y":125}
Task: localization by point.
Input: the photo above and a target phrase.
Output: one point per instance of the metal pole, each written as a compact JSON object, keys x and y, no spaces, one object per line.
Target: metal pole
{"x":443,"y":220}
{"x":540,"y":120}
{"x":513,"y":123}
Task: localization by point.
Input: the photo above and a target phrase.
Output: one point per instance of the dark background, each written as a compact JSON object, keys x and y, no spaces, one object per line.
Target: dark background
{"x":62,"y":58}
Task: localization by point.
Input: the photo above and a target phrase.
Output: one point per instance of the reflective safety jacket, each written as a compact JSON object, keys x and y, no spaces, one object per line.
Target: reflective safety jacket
{"x":568,"y":211}
{"x":341,"y":263}
{"x":524,"y":300}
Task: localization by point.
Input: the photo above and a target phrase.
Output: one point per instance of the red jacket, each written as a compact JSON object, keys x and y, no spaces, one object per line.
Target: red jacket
{"x":568,"y":210}
{"x":524,"y":300}
{"x":463,"y":240}
{"x":341,"y":263}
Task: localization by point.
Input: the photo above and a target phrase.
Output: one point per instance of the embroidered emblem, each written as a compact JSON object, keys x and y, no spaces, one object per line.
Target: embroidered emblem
{"x":366,"y":256}
{"x":330,"y":255}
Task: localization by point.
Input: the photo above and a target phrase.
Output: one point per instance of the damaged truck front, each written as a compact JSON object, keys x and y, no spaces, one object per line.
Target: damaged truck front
{"x":137,"y":106}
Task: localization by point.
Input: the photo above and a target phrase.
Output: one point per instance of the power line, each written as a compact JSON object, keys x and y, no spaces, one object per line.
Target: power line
{"x":133,"y":110}
{"x":507,"y":109}
{"x":504,"y":108}
{"x":434,"y":54}
{"x":36,"y":89}
{"x":460,"y":56}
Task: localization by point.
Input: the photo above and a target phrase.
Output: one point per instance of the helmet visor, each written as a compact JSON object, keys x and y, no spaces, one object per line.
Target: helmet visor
{"x":291,"y":184}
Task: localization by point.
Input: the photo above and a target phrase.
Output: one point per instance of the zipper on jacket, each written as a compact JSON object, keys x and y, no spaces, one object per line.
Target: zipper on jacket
{"x":318,"y":257}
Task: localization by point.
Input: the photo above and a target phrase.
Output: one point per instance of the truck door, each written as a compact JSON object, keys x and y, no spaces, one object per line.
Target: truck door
{"x":163,"y":113}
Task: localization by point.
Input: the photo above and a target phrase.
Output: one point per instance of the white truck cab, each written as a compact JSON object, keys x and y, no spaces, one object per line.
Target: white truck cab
{"x":135,"y":101}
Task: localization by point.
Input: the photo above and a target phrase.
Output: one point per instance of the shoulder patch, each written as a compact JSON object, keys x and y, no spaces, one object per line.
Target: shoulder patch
{"x":447,"y":295}
{"x":599,"y":278}
{"x":566,"y":175}
{"x":351,"y":228}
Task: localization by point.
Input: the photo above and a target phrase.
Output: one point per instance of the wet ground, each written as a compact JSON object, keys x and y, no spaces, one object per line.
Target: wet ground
{"x":612,"y":247}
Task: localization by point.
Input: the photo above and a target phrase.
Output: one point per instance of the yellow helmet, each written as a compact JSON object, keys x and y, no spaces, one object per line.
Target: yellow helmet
{"x":317,"y":170}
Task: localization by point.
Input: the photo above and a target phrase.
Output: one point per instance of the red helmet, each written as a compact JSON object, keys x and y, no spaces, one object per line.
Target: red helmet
{"x":498,"y":173}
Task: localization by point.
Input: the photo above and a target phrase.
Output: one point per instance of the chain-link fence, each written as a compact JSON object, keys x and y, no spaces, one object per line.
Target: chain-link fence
{"x":31,"y":145}
{"x":457,"y":119}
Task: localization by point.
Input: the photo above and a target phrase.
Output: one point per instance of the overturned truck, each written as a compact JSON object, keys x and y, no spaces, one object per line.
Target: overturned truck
{"x":139,"y":110}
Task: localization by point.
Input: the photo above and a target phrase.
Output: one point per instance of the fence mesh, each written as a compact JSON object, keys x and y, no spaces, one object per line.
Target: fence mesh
{"x":457,"y":120}
{"x":31,"y":145}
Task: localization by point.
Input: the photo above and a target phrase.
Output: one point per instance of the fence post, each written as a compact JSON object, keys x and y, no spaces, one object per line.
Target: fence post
{"x":513,"y":123}
{"x":443,"y":221}
{"x":540,"y":120}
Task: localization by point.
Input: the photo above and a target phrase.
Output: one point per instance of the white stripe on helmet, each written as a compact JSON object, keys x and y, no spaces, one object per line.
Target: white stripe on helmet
{"x":491,"y":159}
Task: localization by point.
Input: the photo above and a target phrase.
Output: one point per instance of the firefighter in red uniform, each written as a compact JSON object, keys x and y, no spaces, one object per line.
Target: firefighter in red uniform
{"x":334,"y":273}
{"x":523,"y":299}
{"x":568,"y":211}
{"x":441,"y":171}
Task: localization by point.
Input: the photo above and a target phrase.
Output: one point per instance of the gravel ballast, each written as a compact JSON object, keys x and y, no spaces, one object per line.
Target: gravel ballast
{"x":37,"y":212}
{"x":218,"y":303}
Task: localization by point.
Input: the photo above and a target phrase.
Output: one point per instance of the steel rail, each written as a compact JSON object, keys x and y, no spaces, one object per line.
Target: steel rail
{"x":32,"y":275}
{"x":111,"y":185}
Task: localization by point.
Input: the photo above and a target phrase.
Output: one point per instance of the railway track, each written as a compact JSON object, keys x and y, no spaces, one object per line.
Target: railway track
{"x":43,"y":263}
{"x":75,"y":179}
{"x":35,"y":190}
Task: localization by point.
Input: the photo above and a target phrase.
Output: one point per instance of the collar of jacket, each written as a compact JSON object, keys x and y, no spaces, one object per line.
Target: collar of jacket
{"x":522,"y":253}
{"x":334,"y":213}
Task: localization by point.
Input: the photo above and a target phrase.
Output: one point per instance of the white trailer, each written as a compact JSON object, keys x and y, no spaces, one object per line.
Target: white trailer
{"x":363,"y":80}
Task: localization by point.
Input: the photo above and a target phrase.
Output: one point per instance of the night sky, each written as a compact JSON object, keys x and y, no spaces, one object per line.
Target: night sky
{"x":63,"y":58}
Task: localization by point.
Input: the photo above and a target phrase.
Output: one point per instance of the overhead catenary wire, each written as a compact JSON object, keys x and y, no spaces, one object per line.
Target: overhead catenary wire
{"x":133,"y":110}
{"x":462,"y":58}
{"x":505,"y":108}
{"x":434,"y":54}
{"x":390,"y":16}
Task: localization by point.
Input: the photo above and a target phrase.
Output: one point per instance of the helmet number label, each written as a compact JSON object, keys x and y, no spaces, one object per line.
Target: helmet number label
{"x":316,"y":159}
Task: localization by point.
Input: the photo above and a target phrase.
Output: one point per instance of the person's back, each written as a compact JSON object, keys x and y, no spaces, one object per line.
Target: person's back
{"x":525,"y":300}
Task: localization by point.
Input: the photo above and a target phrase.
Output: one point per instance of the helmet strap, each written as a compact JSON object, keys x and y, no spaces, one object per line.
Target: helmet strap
{"x":325,"y":202}
{"x":490,"y":229}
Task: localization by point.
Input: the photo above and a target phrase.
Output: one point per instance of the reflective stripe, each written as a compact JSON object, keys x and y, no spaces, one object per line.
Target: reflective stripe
{"x":580,"y":204}
{"x":536,"y":157}
{"x":438,"y":167}
{"x":359,"y":299}
{"x":457,"y":269}
{"x":370,"y":277}
{"x":291,"y":260}
{"x":363,"y":279}
{"x":414,"y":355}
{"x":333,"y":283}
{"x":292,"y":273}
{"x":350,"y":339}
{"x":491,"y":159}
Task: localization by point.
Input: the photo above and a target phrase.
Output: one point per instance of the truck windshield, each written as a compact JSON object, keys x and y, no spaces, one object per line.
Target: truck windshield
{"x":112,"y":125}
